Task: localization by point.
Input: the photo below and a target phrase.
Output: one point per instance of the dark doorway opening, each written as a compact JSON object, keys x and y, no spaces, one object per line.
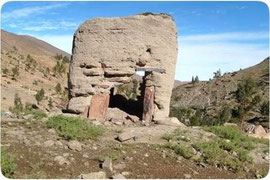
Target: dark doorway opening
{"x":129,"y":97}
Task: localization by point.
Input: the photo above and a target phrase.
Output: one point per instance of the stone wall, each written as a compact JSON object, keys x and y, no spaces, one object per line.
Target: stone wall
{"x":108,"y":51}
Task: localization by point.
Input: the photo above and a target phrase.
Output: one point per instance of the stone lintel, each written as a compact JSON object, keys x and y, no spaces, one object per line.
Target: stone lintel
{"x":160,"y":70}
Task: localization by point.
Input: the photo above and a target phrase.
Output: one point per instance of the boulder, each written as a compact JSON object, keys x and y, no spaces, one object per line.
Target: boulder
{"x":94,"y":175}
{"x":74,"y":145}
{"x":133,"y":118}
{"x":127,"y":136}
{"x":99,"y":106}
{"x":48,"y":143}
{"x":107,"y":164}
{"x":118,"y":176}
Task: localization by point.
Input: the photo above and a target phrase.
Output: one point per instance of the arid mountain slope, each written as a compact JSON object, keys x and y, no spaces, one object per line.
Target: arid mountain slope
{"x":28,"y":44}
{"x":35,"y":63}
{"x":221,"y":89}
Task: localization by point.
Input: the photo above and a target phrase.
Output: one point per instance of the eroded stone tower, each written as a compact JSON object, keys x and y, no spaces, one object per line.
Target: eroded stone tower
{"x":108,"y":52}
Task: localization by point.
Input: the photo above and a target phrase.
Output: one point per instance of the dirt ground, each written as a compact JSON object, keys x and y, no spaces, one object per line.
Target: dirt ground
{"x":135,"y":159}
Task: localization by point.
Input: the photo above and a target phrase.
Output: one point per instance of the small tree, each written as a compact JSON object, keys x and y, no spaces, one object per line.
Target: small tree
{"x":50,"y":103}
{"x":40,"y":95}
{"x":18,"y":106}
{"x":247,"y":96}
{"x":58,"y":88}
{"x":192,"y":80}
{"x":264,"y":108}
{"x":5,"y":71}
{"x":15,"y":73}
{"x":196,"y":80}
{"x":217,"y":74}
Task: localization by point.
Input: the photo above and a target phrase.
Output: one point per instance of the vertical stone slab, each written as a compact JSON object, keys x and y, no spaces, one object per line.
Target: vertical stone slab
{"x":148,"y":104}
{"x":99,"y":106}
{"x":86,"y":112}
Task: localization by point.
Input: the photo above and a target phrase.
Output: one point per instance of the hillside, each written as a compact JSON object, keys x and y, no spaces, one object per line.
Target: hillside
{"x":34,"y":61}
{"x":211,"y":96}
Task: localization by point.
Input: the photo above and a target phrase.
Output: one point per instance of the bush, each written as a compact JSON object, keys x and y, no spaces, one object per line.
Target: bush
{"x":40,"y":95}
{"x":5,"y":71}
{"x":18,"y":106}
{"x":180,"y":150}
{"x":264,"y":108}
{"x":74,"y":128}
{"x":224,"y":115}
{"x":37,"y":113}
{"x":58,"y":88}
{"x":8,"y":164}
{"x":50,"y":103}
{"x":247,"y":97}
{"x":15,"y":72}
{"x":30,"y":63}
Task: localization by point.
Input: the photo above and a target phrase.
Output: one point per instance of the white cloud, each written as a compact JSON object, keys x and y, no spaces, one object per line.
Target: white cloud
{"x":204,"y":54}
{"x":48,"y":25}
{"x":25,"y":12}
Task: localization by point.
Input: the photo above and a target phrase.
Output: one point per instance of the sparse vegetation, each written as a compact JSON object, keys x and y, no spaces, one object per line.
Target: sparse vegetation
{"x":15,"y":73}
{"x":30,"y":63}
{"x":74,"y":128}
{"x":264,"y":108}
{"x":58,"y":88}
{"x":248,"y":98}
{"x":50,"y":103}
{"x":18,"y":106}
{"x":181,"y":150}
{"x":8,"y":165}
{"x":40,"y":95}
{"x":217,"y":74}
{"x":5,"y":71}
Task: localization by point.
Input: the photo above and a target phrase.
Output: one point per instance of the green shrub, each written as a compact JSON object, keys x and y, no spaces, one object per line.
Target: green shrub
{"x":15,"y":73}
{"x":5,"y":71}
{"x":40,"y":95}
{"x":37,"y":113}
{"x":74,"y":128}
{"x":8,"y":164}
{"x":58,"y":88}
{"x":18,"y":106}
{"x":180,"y":150}
{"x":264,"y":108}
{"x":50,"y":103}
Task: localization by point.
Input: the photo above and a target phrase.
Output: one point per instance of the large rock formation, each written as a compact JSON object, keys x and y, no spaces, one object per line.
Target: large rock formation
{"x":108,"y":51}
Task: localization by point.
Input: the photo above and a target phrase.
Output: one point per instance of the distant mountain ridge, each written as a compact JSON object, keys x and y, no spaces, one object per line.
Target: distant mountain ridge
{"x":28,"y":44}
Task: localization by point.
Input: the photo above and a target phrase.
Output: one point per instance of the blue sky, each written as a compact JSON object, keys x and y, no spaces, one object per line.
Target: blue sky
{"x":212,"y":35}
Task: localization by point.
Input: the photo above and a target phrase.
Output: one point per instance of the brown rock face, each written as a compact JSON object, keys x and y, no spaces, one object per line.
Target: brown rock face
{"x":108,"y":51}
{"x":99,"y":106}
{"x":148,"y":104}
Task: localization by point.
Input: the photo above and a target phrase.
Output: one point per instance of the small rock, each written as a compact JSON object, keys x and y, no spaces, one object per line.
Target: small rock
{"x":118,"y":176}
{"x":146,"y":155}
{"x":126,"y":136}
{"x":94,"y":148}
{"x":48,"y":143}
{"x":133,"y":118}
{"x":120,"y":166}
{"x":145,"y":164}
{"x":61,"y":160}
{"x":107,"y":164}
{"x":27,"y":142}
{"x":51,"y":131}
{"x":94,"y":175}
{"x":85,"y":156}
{"x":58,"y":143}
{"x":179,"y":158}
{"x":258,"y":176}
{"x":29,"y":116}
{"x":234,"y":154}
{"x":86,"y":163}
{"x":74,"y":145}
{"x":129,"y":158}
{"x":66,"y":154}
{"x":266,"y":157}
{"x":125,"y":173}
{"x":187,"y":176}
